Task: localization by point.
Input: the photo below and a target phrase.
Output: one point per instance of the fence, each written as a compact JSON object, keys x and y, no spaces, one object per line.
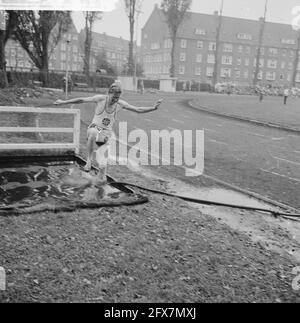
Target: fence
{"x":75,"y":130}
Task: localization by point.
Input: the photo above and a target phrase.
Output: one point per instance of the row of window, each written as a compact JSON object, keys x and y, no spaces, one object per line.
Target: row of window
{"x":241,"y":36}
{"x":226,"y":60}
{"x":229,"y":48}
{"x":227,"y":73}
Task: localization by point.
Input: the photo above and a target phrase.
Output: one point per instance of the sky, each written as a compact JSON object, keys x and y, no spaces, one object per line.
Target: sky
{"x":115,"y":23}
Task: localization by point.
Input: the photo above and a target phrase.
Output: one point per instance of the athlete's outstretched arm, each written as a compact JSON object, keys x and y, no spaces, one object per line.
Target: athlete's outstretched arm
{"x":133,"y":108}
{"x":92,"y":99}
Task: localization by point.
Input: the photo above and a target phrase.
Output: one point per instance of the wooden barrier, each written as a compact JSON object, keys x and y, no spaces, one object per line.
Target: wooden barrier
{"x":75,"y":130}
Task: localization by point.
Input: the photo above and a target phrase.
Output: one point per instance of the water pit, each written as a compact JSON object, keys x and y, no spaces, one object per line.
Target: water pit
{"x":30,"y":185}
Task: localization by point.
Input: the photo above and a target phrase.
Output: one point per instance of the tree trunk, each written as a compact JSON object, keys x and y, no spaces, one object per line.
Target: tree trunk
{"x":45,"y":64}
{"x":131,"y":44}
{"x":296,"y":62}
{"x":3,"y":75}
{"x":87,"y":50}
{"x":172,"y":67}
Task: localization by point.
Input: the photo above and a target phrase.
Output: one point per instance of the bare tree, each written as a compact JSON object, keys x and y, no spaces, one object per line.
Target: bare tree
{"x":90,"y":18}
{"x":260,"y":44}
{"x":175,"y":12}
{"x":132,"y":7}
{"x":218,"y":44}
{"x":33,"y":32}
{"x":9,"y":24}
{"x":296,"y":62}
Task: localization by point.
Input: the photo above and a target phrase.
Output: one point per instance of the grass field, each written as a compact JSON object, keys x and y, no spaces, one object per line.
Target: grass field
{"x":271,"y":109}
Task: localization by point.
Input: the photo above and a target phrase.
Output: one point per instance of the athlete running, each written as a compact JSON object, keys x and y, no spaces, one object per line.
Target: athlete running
{"x":100,"y":130}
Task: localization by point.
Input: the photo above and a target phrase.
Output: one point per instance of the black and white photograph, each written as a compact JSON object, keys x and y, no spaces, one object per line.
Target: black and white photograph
{"x":150,"y":154}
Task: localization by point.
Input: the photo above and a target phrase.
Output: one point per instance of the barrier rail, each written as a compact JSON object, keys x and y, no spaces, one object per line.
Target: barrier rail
{"x":75,"y":130}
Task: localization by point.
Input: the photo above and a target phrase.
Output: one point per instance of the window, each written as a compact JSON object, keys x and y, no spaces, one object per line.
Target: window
{"x":262,"y":51}
{"x":199,"y":58}
{"x":183,"y":43}
{"x":212,"y":46}
{"x":225,"y":72}
{"x":154,"y":46}
{"x":168,"y":43}
{"x":227,"y":60}
{"x":273,"y":51}
{"x":227,"y":48}
{"x":271,"y":76}
{"x":289,"y":77}
{"x":200,"y":44}
{"x":281,"y":77}
{"x":284,"y":52}
{"x":288,"y":41}
{"x":291,"y":53}
{"x":63,"y":56}
{"x":290,"y":66}
{"x":240,"y":49}
{"x":248,"y":50}
{"x":209,"y":71}
{"x":272,"y":63}
{"x":74,"y":67}
{"x":261,"y":62}
{"x":199,"y":31}
{"x":246,"y":74}
{"x":237,"y":74}
{"x":182,"y":57}
{"x":247,"y":61}
{"x":260,"y":75}
{"x":239,"y":61}
{"x":211,"y":59}
{"x":75,"y":49}
{"x":244,"y":36}
{"x":181,"y":69}
{"x":198,"y":71}
{"x":283,"y":64}
{"x":75,"y":37}
{"x":63,"y":46}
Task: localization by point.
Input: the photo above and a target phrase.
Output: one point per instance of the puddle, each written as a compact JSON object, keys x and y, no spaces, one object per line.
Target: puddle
{"x":35,"y":183}
{"x":276,"y":234}
{"x":218,"y":195}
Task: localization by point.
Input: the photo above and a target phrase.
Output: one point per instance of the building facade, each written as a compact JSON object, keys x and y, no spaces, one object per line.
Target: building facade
{"x":195,"y":50}
{"x":115,"y":49}
{"x":66,"y":50}
{"x":71,"y":49}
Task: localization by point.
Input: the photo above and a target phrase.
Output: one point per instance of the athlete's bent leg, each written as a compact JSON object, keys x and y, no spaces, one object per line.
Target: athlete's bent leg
{"x":102,"y":161}
{"x":92,"y":135}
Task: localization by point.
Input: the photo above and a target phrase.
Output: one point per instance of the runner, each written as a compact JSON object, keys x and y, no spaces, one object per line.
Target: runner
{"x":100,"y":130}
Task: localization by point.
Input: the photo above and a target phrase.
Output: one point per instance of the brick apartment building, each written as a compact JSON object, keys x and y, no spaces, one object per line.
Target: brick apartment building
{"x":18,"y":59}
{"x":71,"y":47}
{"x":116,"y":49}
{"x":196,"y":46}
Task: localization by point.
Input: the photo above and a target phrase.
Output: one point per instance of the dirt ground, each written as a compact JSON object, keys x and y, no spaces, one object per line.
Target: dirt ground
{"x":163,"y":251}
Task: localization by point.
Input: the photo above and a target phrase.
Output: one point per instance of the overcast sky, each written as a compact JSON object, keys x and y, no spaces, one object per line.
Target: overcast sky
{"x":115,"y":23}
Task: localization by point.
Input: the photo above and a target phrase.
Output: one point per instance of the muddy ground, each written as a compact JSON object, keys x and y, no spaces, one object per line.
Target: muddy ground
{"x":163,"y":251}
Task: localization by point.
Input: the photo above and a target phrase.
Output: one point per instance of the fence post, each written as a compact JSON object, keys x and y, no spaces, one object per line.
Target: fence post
{"x":77,"y":123}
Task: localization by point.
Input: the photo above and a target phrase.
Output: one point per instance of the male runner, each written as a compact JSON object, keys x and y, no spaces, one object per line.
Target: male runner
{"x":100,"y":130}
